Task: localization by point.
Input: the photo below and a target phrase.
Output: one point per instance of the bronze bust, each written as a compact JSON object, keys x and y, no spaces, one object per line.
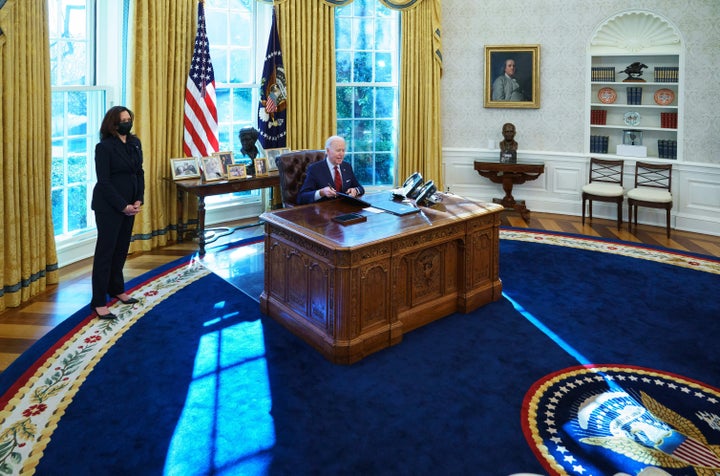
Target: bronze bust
{"x":508,"y":146}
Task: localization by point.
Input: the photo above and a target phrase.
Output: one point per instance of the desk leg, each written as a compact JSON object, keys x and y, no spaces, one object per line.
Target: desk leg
{"x":201,"y":224}
{"x":180,"y":213}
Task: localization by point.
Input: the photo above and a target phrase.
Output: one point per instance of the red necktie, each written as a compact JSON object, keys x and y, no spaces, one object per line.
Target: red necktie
{"x":338,"y":180}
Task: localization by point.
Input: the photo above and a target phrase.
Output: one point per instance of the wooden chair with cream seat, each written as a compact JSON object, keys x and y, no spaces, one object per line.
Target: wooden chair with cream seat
{"x":292,"y":167}
{"x":653,"y":184}
{"x":605,"y":185}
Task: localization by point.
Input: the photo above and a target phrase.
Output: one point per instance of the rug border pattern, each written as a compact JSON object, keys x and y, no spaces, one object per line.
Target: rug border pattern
{"x":30,"y":417}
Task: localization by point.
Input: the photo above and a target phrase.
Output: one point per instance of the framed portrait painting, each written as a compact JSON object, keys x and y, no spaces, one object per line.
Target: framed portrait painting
{"x":512,"y":76}
{"x":184,"y":168}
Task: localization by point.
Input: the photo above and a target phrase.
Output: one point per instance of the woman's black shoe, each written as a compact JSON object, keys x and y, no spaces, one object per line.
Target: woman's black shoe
{"x":109,"y":315}
{"x":131,"y":300}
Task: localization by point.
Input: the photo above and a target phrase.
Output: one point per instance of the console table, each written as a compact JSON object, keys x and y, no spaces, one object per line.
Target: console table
{"x":202,"y":189}
{"x":351,"y":290}
{"x":509,"y":175}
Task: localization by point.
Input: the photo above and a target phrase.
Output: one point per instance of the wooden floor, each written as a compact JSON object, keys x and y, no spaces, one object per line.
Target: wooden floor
{"x":21,"y":327}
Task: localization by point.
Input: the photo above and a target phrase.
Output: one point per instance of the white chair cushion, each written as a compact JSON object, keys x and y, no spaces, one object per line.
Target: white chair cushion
{"x":650,"y":194}
{"x":603,"y":189}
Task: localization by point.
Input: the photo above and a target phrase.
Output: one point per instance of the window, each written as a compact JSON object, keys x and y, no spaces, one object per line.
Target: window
{"x":237,"y":31}
{"x":367,"y":45}
{"x":77,"y":110}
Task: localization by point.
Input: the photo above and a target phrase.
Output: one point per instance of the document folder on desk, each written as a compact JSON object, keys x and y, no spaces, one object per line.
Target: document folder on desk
{"x":353,"y":200}
{"x":384,"y":201}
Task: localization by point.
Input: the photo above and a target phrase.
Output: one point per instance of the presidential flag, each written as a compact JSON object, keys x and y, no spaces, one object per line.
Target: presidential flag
{"x":273,"y":94}
{"x":200,"y":138}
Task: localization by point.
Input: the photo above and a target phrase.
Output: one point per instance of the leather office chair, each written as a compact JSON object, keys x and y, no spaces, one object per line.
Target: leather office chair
{"x":605,"y":185}
{"x":291,"y":167}
{"x":652,"y":189}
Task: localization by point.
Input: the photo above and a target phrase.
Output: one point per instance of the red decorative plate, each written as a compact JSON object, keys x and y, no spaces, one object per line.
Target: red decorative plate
{"x":607,"y":95}
{"x":664,"y":96}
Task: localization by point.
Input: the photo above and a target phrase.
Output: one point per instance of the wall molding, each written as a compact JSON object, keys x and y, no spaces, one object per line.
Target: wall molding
{"x":695,"y":188}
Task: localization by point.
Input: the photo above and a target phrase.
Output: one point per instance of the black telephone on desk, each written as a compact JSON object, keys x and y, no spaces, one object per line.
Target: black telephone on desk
{"x":410,"y":187}
{"x":425,"y":194}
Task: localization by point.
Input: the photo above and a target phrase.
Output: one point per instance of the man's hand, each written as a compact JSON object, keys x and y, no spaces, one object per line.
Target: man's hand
{"x":328,"y":192}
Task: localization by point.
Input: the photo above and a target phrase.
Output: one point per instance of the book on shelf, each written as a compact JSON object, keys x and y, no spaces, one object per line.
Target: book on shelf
{"x":634,"y":95}
{"x":599,"y":144}
{"x":602,"y":73}
{"x":668,"y":120}
{"x":667,"y":149}
{"x":667,"y":74}
{"x":598,"y":116}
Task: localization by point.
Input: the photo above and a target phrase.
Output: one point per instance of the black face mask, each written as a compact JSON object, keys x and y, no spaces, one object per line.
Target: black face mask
{"x":124,"y":128}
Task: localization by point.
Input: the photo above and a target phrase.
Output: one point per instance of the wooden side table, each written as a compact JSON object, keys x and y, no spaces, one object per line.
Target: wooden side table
{"x":509,"y":175}
{"x":202,"y":189}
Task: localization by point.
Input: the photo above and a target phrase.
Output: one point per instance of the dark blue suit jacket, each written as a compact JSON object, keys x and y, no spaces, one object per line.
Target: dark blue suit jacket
{"x":318,"y":176}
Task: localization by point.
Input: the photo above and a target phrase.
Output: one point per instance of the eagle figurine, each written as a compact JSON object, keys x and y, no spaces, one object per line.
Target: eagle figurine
{"x":634,"y":71}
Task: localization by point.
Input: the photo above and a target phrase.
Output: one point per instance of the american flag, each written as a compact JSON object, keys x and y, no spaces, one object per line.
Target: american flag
{"x":200,"y":138}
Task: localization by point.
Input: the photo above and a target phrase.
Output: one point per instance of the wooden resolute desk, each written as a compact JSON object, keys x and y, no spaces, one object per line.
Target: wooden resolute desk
{"x":509,"y":175}
{"x":202,"y":189}
{"x":351,"y":290}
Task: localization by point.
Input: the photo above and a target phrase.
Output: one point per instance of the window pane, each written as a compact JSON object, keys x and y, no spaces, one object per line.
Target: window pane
{"x":385,"y":102}
{"x":363,"y":136}
{"x":343,"y":66}
{"x":77,"y":169}
{"x":241,"y":66}
{"x":77,"y":208}
{"x":345,"y":101}
{"x":364,"y":102}
{"x":362,"y":67}
{"x":58,"y":211}
{"x":383,"y":68}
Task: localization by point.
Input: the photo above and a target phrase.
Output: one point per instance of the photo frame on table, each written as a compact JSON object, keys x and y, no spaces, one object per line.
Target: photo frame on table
{"x":212,"y":168}
{"x":236,"y":171}
{"x":226,"y":157}
{"x":261,"y":166}
{"x":500,"y":90}
{"x":272,"y":154}
{"x":184,"y":168}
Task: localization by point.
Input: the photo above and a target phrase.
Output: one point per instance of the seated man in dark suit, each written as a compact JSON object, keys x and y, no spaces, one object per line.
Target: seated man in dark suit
{"x":327,"y":177}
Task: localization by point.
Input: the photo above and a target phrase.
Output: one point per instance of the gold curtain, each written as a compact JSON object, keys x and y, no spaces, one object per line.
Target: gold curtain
{"x":27,"y":239}
{"x":307,"y":39}
{"x":164,"y":33}
{"x":420,"y":144}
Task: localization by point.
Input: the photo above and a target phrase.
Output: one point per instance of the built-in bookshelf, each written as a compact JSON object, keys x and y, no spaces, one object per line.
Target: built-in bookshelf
{"x":647,"y":103}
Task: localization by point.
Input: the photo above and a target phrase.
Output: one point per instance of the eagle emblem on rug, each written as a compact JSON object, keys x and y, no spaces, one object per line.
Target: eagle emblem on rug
{"x":623,"y":420}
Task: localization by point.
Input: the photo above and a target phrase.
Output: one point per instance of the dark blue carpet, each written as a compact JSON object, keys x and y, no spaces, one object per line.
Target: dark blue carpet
{"x":204,"y":384}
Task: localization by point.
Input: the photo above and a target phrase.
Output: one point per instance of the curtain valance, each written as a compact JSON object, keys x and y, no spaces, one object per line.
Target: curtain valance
{"x":391,"y":4}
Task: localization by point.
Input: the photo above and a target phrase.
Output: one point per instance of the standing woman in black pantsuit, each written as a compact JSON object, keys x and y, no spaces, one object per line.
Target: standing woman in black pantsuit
{"x":117,"y":198}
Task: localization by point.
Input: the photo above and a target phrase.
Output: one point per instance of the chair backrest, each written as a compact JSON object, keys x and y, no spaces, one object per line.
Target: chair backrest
{"x":291,"y":167}
{"x":605,"y":170}
{"x":653,"y":175}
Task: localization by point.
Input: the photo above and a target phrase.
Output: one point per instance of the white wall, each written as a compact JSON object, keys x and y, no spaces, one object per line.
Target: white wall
{"x":563,"y":28}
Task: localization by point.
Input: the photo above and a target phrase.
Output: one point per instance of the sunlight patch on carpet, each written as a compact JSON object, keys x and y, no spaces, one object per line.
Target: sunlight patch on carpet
{"x":230,"y":384}
{"x":546,"y":330}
